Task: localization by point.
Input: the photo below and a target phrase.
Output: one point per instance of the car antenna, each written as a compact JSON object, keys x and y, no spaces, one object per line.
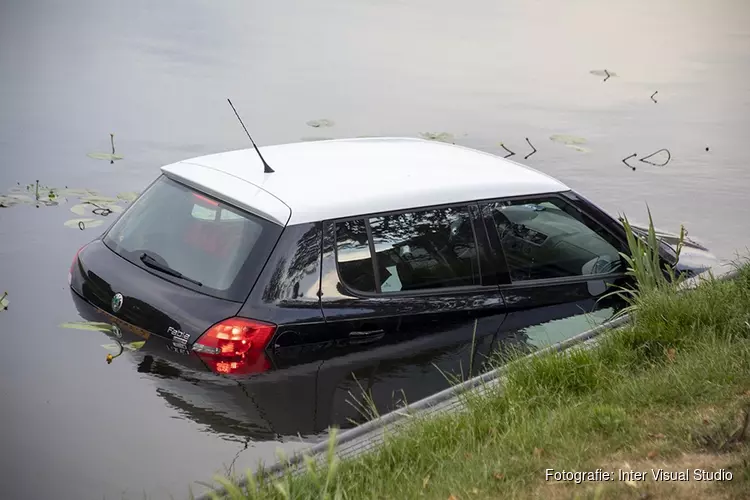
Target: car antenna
{"x":266,"y":168}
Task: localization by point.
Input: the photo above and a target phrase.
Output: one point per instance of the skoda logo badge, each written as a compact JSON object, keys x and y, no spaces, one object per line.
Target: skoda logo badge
{"x":117,"y":302}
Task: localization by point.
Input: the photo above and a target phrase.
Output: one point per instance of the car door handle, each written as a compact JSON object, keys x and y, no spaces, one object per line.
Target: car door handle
{"x":363,"y":336}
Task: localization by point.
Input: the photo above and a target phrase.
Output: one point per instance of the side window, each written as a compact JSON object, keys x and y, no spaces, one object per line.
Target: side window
{"x":353,"y":255}
{"x":428,"y":249}
{"x":547,"y":238}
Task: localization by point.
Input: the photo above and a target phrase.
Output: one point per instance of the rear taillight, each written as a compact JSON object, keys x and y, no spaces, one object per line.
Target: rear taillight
{"x":236,"y":346}
{"x":73,"y":265}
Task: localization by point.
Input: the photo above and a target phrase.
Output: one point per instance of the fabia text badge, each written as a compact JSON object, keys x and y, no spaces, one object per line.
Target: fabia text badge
{"x":179,"y":338}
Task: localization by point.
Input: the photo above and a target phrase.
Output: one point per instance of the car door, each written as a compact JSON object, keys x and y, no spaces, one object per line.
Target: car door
{"x":556,"y":262}
{"x":399,"y":285}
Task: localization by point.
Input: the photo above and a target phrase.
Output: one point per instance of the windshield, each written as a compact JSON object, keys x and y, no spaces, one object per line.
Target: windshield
{"x":194,"y":240}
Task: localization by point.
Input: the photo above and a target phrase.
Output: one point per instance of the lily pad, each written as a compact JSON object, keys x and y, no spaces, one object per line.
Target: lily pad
{"x":95,"y":208}
{"x":320,"y":123}
{"x":112,"y":207}
{"x":78,"y":193}
{"x":98,"y":199}
{"x":87,"y":223}
{"x":41,"y":195}
{"x":437,"y":136}
{"x":47,"y":202}
{"x":130,"y":346}
{"x":4,"y":301}
{"x":601,"y":72}
{"x":79,"y":209}
{"x":104,"y":156}
{"x":87,"y":325}
{"x":9,"y":200}
{"x":128,"y":196}
{"x":567,"y":139}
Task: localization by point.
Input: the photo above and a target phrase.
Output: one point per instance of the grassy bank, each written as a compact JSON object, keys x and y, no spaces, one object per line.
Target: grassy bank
{"x":668,"y":392}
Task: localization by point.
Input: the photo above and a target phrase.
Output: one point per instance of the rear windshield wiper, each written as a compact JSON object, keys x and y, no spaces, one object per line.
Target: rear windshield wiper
{"x":155,"y":264}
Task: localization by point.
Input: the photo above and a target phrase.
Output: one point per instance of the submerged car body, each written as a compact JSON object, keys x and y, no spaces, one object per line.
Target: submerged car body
{"x":350,"y":248}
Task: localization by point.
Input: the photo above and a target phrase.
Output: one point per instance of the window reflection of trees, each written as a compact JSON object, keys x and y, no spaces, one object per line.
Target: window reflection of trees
{"x":298,"y":274}
{"x":415,"y":250}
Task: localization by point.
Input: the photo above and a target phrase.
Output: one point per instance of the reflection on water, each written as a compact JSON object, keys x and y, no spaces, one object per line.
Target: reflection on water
{"x":306,"y":399}
{"x":558,"y":330}
{"x":157,"y":74}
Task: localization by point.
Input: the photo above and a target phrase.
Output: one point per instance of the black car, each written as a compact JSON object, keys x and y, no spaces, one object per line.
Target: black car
{"x":346,"y":247}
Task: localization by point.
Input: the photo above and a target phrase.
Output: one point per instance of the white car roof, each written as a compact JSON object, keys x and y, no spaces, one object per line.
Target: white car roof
{"x":323,"y":180}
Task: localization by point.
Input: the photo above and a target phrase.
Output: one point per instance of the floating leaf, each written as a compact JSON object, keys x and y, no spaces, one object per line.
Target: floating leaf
{"x":437,"y":136}
{"x":98,"y":199}
{"x":567,"y":139}
{"x":87,"y":223}
{"x":114,"y":208}
{"x":131,"y":346}
{"x":570,"y":141}
{"x":10,"y":200}
{"x":320,"y":123}
{"x":40,"y":195}
{"x":79,"y":209}
{"x":104,"y":156}
{"x":87,"y":325}
{"x":4,"y":301}
{"x":100,"y":207}
{"x":128,"y":196}
{"x":104,"y":209}
{"x":77,"y":192}
{"x":601,"y":72}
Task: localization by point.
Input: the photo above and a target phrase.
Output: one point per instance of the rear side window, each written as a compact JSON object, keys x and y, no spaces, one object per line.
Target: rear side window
{"x":213,"y":248}
{"x":548,"y":238}
{"x":412,"y":251}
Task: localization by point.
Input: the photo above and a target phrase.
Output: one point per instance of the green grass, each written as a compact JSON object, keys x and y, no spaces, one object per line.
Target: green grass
{"x":677,"y":372}
{"x":666,"y":390}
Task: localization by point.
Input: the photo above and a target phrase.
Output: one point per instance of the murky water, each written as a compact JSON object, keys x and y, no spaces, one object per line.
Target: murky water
{"x":157,"y":75}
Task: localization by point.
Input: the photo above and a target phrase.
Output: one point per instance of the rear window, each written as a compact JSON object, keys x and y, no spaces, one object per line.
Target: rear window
{"x":219,"y":250}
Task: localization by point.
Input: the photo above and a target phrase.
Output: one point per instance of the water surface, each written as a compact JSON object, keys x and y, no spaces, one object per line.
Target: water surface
{"x":157,"y":75}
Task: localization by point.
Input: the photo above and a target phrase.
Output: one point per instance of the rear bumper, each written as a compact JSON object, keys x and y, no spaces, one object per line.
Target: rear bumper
{"x":187,"y":366}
